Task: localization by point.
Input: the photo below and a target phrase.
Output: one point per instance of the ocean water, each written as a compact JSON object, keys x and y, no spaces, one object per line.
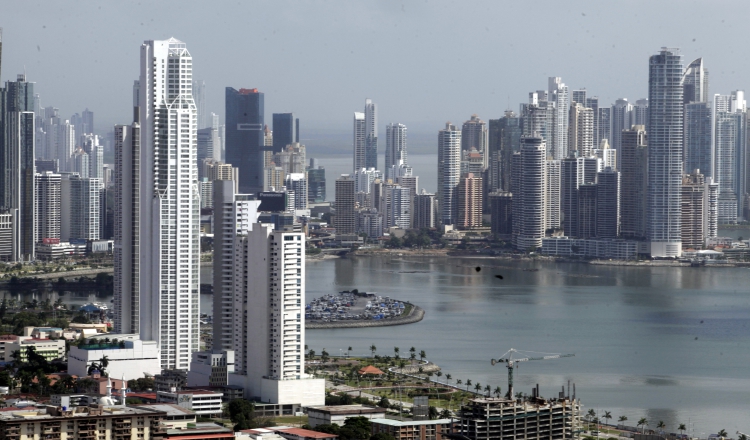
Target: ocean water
{"x":670,"y":344}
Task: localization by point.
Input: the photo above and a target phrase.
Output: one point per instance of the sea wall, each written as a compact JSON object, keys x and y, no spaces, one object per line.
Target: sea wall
{"x":416,"y":314}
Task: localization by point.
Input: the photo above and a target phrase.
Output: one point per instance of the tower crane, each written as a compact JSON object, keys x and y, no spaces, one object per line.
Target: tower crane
{"x":510,"y":359}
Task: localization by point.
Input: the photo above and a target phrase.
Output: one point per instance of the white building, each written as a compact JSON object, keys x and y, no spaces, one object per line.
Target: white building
{"x":79,"y":208}
{"x":364,"y":177}
{"x":206,"y":189}
{"x":138,"y":357}
{"x":552,"y":196}
{"x":297,"y":182}
{"x":359,"y":141}
{"x":449,"y":167}
{"x":269,"y":322}
{"x":51,"y":349}
{"x":529,"y":211}
{"x":208,"y":369}
{"x":395,"y":148}
{"x":96,"y":155}
{"x":48,"y":205}
{"x":202,"y":402}
{"x":157,"y":202}
{"x":397,"y":200}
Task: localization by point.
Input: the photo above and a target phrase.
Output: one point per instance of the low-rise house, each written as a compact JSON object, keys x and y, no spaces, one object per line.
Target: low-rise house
{"x":326,"y":415}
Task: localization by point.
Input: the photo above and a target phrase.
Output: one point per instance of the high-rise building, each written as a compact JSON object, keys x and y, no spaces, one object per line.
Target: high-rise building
{"x":234,"y":215}
{"x":608,"y":203}
{"x":87,"y":122}
{"x":297,"y":182}
{"x":474,"y":136}
{"x":206,"y":190}
{"x":641,"y":112}
{"x":604,"y":128}
{"x":208,"y":144}
{"x":79,"y":163}
{"x":578,"y":96}
{"x":425,"y":208}
{"x":581,"y":130}
{"x":634,"y":183}
{"x":469,"y":201}
{"x":449,"y":167}
{"x":364,"y":178}
{"x":292,"y":158}
{"x":284,"y":131}
{"x":538,"y":118}
{"x":504,"y":139}
{"x":531,"y":190}
{"x":213,"y":170}
{"x":501,"y":212}
{"x":358,"y":141}
{"x":593,"y":103}
{"x":397,"y":201}
{"x":245,"y":141}
{"x":371,"y":134}
{"x":698,"y":152}
{"x":269,"y":318}
{"x":622,"y":118}
{"x":344,"y":219}
{"x":699,"y":210}
{"x":199,"y":97}
{"x":558,"y":95}
{"x":730,"y":154}
{"x":695,"y":83}
{"x":569,"y":195}
{"x":552,"y":201}
{"x":316,"y":183}
{"x":665,"y":137}
{"x":95,"y":152}
{"x":157,"y":245}
{"x":607,"y":156}
{"x":79,"y":208}
{"x":47,"y":205}
{"x":17,"y":163}
{"x":395,"y":148}
{"x":587,"y":210}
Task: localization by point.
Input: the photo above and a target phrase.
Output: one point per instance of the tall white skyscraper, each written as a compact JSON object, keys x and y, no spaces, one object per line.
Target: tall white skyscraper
{"x":449,"y":168}
{"x":730,"y":153}
{"x":79,"y":208}
{"x":665,"y":137}
{"x":529,"y":211}
{"x":48,"y":207}
{"x":558,"y":94}
{"x":358,"y":141}
{"x":199,"y":97}
{"x":158,"y":208}
{"x":371,"y":134}
{"x":395,"y":148}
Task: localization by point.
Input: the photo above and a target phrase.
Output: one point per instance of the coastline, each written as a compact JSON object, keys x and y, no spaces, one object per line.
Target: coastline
{"x":416,"y":314}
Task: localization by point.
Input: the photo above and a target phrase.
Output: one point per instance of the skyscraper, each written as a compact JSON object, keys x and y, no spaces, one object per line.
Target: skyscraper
{"x":469,"y":202}
{"x":552,"y":200}
{"x":634,"y":183}
{"x":79,"y":208}
{"x":558,"y":94}
{"x":449,"y":167}
{"x":158,"y":208}
{"x":284,"y":131}
{"x":17,"y":163}
{"x":316,"y":182}
{"x":504,"y":139}
{"x":395,"y":148}
{"x":47,"y":205}
{"x":344,"y":219}
{"x":474,"y":136}
{"x":530,"y":205}
{"x":622,"y":118}
{"x":665,"y":137}
{"x":245,"y":141}
{"x":358,"y":141}
{"x":608,"y":204}
{"x":371,"y":134}
{"x":424,"y":208}
{"x":730,"y":154}
{"x":698,"y":152}
{"x":699,"y":210}
{"x":695,"y":83}
{"x":581,"y":130}
{"x":199,"y":97}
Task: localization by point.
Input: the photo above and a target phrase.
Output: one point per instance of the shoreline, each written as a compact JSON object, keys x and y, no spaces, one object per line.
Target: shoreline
{"x":415,"y":315}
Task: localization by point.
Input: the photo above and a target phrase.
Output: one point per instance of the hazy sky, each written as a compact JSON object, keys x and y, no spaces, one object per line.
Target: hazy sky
{"x":423,"y":63}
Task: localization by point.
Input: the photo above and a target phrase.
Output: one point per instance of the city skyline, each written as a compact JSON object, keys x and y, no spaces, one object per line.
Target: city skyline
{"x":411,"y":100}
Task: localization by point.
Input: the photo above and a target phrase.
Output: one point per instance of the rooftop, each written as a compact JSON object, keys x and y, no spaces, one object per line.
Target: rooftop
{"x":348,"y":409}
{"x":170,"y":409}
{"x":200,"y":429}
{"x":391,"y":422}
{"x":81,"y":411}
{"x":306,"y":433}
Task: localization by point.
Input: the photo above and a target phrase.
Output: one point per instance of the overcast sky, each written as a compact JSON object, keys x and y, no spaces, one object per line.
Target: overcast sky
{"x":423,"y":63}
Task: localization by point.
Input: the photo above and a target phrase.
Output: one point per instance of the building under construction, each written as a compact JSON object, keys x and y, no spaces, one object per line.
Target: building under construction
{"x":530,"y":418}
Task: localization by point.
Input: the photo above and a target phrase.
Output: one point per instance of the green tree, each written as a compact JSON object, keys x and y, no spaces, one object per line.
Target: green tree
{"x":324,"y":356}
{"x":622,"y":419}
{"x":356,"y":428}
{"x":448,"y":377}
{"x":607,"y":415}
{"x":395,"y":242}
{"x":478,"y":387}
{"x":497,"y":391}
{"x":682,"y":429}
{"x":373,"y":349}
{"x":468,"y":384}
{"x":488,"y":389}
{"x":642,"y":422}
{"x":445,"y":414}
{"x":661,"y":424}
{"x":422,"y":355}
{"x":722,"y":433}
{"x":242,"y":414}
{"x":396,"y":351}
{"x":384,"y":402}
{"x":432,"y":413}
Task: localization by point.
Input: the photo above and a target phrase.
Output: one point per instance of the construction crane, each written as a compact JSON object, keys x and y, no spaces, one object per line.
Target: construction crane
{"x":511,"y":361}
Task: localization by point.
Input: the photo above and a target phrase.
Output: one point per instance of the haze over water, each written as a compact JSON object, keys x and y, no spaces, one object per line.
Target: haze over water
{"x":669,"y":344}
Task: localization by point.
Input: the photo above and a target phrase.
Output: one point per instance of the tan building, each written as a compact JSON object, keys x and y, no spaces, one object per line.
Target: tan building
{"x":326,"y":415}
{"x":413,"y":429}
{"x":469,"y":202}
{"x":84,"y":422}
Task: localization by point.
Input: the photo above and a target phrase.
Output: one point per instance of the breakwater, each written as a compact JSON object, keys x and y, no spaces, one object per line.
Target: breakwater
{"x":416,"y":314}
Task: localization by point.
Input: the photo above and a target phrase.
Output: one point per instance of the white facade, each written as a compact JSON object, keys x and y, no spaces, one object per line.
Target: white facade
{"x":159,"y":209}
{"x":269,"y":330}
{"x":529,"y":211}
{"x":138,"y":357}
{"x":210,"y":369}
{"x":552,"y":195}
{"x":364,"y":177}
{"x":397,"y":206}
{"x":449,"y":168}
{"x":79,"y":208}
{"x":558,"y":95}
{"x":234,"y":214}
{"x":297,"y":182}
{"x":48,"y":205}
{"x":395,"y":148}
{"x":49,"y":348}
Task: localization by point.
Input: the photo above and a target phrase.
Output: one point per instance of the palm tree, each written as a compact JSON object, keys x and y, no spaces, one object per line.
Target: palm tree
{"x":412,"y":356}
{"x":459,"y":382}
{"x":743,"y":437}
{"x":401,"y":364}
{"x":591,"y":414}
{"x":478,"y":387}
{"x":607,"y":415}
{"x":682,"y":429}
{"x":103,"y":364}
{"x":448,"y":377}
{"x":413,"y":351}
{"x":488,"y":389}
{"x":722,"y":433}
{"x":468,"y":384}
{"x":438,"y":374}
{"x":661,"y":424}
{"x":642,"y":422}
{"x":622,"y":419}
{"x":396,"y":350}
{"x":373,"y":349}
{"x":497,"y":391}
{"x":422,"y":355}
